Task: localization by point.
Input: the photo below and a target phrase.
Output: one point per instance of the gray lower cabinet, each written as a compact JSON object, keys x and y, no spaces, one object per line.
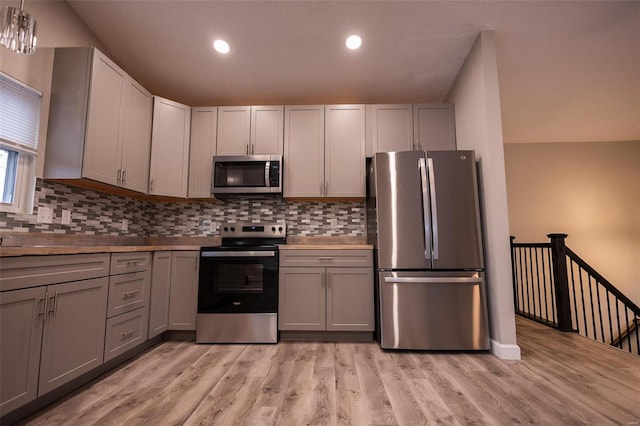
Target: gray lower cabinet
{"x":314,"y":296}
{"x":160,"y":291}
{"x":52,"y":322}
{"x":128,"y":308}
{"x":21,"y":323}
{"x":73,"y":335}
{"x":183,"y":301}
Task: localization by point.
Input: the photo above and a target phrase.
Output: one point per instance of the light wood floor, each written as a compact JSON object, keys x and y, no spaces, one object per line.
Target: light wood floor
{"x":562,"y":379}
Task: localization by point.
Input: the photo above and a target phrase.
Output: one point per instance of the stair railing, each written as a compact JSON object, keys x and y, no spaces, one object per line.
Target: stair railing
{"x":554,"y":286}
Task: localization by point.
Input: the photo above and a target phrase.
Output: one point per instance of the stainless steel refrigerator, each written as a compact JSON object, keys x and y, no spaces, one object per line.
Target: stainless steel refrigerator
{"x":423,"y":220}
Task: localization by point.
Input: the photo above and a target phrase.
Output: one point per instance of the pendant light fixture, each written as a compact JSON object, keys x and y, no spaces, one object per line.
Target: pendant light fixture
{"x":17,"y":30}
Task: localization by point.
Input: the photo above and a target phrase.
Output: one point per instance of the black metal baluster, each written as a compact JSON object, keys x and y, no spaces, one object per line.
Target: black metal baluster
{"x":637,"y":324}
{"x":600,"y":311}
{"x":553,"y":287}
{"x":538,"y":280}
{"x":584,"y":311}
{"x":626,"y":324}
{"x":525,"y":293}
{"x":593,"y":313}
{"x":575,"y":295}
{"x":526,"y":275}
{"x":618,"y":320}
{"x":544,"y":286}
{"x":609,"y":316}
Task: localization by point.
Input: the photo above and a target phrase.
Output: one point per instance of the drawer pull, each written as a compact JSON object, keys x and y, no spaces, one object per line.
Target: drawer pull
{"x":130,"y":294}
{"x":127,"y":334}
{"x":132,"y":262}
{"x":325,"y":258}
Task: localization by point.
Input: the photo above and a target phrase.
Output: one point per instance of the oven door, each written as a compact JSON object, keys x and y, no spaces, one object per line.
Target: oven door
{"x":238,"y":281}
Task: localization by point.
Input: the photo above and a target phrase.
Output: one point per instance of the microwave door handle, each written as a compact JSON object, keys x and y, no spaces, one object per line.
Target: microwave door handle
{"x":267,"y":167}
{"x":422,"y":167}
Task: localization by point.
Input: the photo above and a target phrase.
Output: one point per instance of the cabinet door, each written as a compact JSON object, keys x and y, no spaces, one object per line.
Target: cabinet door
{"x":304,"y":151}
{"x":73,"y":337}
{"x":170,"y":148}
{"x":350,"y":299}
{"x":389,"y":128}
{"x":234,"y":127}
{"x":204,"y":122}
{"x":267,"y":130}
{"x":136,"y":137}
{"x":160,"y":289}
{"x":21,"y":313}
{"x":183,"y":302}
{"x":344,"y":151}
{"x":103,"y":144}
{"x":302,"y":299}
{"x":434,"y":127}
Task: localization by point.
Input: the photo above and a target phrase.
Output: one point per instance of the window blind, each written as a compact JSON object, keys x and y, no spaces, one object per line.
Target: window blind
{"x":19,"y":115}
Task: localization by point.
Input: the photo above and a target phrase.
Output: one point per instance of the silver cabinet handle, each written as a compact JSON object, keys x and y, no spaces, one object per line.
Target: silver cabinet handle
{"x":43,"y":305}
{"x":130,"y":294}
{"x":128,"y":334}
{"x":119,"y":176}
{"x":326,"y":188}
{"x":327,"y":258}
{"x":124,"y":176}
{"x":54,"y":306}
{"x":133,"y":262}
{"x":321,"y":189}
{"x":151,"y":185}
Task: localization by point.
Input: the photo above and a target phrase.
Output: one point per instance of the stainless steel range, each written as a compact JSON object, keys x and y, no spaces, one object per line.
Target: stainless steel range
{"x":238,"y":286}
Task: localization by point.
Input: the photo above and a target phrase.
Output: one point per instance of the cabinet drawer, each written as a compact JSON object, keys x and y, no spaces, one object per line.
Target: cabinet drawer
{"x":31,"y":271}
{"x":349,"y":258}
{"x":124,"y":332}
{"x":123,"y":263}
{"x":128,"y":292}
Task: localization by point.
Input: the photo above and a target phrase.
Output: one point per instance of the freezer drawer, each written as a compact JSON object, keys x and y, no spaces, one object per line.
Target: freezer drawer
{"x":431,"y":311}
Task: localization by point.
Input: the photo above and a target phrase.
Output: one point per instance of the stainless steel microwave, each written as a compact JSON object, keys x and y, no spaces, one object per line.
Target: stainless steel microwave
{"x":247,"y":174}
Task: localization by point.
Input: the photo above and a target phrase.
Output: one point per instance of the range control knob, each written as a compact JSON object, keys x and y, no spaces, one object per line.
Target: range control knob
{"x":273,"y":229}
{"x":233,"y":229}
{"x":226,"y":229}
{"x":280,"y":228}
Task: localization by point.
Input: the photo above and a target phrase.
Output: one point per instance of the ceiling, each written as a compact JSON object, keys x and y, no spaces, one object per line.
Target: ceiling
{"x":568,"y":70}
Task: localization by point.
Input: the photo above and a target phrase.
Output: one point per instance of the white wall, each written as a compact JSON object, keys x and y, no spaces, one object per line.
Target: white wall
{"x":590,"y":191}
{"x":476,"y":97}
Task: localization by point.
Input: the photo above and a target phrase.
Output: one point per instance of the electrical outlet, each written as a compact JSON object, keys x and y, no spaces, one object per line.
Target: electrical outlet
{"x":125,"y":224}
{"x":213,"y":226}
{"x":45,"y":215}
{"x":66,"y":217}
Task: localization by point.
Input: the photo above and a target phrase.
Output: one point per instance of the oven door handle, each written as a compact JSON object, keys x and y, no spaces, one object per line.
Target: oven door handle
{"x":238,"y":254}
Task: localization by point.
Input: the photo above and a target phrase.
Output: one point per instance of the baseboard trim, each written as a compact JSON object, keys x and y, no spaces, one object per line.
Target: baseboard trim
{"x":504,"y":351}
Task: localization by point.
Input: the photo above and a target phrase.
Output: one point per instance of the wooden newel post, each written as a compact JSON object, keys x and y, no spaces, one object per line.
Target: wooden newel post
{"x":561,"y":280}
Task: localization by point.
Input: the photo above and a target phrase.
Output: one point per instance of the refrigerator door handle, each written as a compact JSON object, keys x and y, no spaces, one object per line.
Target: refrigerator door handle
{"x":434,"y":280}
{"x":434,"y":209}
{"x":422,"y":166}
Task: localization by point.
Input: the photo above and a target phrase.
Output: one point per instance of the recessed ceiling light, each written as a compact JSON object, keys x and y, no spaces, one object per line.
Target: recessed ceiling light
{"x":353,"y":42}
{"x":221,"y":46}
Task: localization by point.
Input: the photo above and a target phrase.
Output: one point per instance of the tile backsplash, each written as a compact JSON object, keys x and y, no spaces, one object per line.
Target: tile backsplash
{"x":95,"y":213}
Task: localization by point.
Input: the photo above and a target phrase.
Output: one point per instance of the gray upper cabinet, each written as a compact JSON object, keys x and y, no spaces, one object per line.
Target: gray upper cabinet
{"x":99,"y":121}
{"x":169,"y":169}
{"x":250,"y":130}
{"x":389,"y":128}
{"x":324,"y":151}
{"x":204,"y":124}
{"x":434,"y":127}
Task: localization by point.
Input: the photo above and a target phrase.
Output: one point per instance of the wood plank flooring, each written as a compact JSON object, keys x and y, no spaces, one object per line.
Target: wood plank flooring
{"x":562,"y":379}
